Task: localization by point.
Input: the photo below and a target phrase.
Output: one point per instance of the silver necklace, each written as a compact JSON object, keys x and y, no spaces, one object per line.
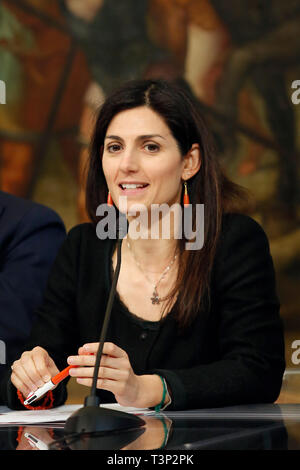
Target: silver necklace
{"x":155,"y":299}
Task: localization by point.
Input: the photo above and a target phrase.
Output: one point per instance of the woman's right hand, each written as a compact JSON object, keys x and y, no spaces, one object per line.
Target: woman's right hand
{"x":32,"y":370}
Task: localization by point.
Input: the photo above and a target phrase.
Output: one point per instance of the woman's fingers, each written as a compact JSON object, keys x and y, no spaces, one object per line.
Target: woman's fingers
{"x":81,"y":360}
{"x":112,"y":386}
{"x":110,"y":349}
{"x":84,"y":360}
{"x":115,"y":372}
{"x":20,"y":385}
{"x":104,"y":373}
{"x":104,"y":384}
{"x":32,"y":370}
{"x":26,"y":370}
{"x":112,"y":356}
{"x":44,"y":365}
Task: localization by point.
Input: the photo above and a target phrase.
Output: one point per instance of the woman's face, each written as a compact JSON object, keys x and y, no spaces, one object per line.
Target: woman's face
{"x":139,"y":148}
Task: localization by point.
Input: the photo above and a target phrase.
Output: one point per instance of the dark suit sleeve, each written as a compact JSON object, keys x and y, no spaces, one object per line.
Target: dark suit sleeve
{"x":249,"y":335}
{"x":55,"y":328}
{"x":24,"y":272}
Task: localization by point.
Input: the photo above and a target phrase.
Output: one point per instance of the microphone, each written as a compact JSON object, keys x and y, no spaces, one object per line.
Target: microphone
{"x":93,"y":418}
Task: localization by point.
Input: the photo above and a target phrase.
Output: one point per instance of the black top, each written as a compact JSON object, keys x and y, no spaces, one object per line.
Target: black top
{"x":231,"y":355}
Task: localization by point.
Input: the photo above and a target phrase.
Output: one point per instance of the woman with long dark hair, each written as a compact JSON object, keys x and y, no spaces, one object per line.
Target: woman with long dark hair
{"x":189,"y":328}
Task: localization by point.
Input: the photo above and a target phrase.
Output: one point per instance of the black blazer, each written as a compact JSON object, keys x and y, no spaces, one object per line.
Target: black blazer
{"x":30,"y":236}
{"x":231,"y":354}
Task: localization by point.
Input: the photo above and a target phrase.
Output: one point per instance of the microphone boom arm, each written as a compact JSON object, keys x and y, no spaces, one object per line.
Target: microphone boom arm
{"x":92,"y":399}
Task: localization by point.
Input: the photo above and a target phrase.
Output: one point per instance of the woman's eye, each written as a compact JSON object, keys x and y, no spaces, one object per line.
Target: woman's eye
{"x":113,"y":148}
{"x":152,"y":147}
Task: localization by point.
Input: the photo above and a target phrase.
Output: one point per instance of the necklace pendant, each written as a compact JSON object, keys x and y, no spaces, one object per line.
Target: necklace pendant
{"x":155,"y":299}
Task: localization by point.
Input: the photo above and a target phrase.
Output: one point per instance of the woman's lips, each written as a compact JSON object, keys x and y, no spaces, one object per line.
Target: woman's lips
{"x":133,"y":191}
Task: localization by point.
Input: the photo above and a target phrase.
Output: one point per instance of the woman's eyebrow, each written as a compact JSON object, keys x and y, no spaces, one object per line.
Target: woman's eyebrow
{"x":140,"y":137}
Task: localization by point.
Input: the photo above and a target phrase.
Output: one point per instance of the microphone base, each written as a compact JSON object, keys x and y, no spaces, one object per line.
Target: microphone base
{"x":96,"y":419}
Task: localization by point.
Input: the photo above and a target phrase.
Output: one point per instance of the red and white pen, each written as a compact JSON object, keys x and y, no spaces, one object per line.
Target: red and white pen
{"x":47,"y":386}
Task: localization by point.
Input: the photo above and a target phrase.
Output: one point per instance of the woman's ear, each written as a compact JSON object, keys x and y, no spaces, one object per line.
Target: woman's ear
{"x":192,"y":162}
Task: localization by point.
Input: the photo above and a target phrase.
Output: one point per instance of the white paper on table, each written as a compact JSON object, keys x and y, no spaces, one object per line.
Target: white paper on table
{"x":59,"y":414}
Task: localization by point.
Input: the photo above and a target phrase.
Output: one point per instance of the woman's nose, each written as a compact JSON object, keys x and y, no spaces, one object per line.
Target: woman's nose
{"x":129,"y":160}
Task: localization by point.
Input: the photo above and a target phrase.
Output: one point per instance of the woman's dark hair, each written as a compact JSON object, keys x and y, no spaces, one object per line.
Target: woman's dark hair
{"x":209,"y":186}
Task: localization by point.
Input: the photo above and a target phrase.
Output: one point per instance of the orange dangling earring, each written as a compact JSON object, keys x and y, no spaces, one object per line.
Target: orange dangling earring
{"x":186,"y":199}
{"x":109,"y":200}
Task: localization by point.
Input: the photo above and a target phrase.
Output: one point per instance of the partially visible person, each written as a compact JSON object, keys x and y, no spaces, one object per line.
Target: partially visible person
{"x":30,"y":236}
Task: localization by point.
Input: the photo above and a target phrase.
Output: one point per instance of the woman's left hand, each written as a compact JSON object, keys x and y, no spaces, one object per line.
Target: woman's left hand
{"x":115,"y":373}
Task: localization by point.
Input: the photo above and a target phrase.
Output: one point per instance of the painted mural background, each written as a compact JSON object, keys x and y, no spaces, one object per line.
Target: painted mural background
{"x":241,"y":59}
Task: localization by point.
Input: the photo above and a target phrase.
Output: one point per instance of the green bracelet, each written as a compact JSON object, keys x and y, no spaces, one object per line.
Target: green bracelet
{"x":158,"y":407}
{"x":166,"y":433}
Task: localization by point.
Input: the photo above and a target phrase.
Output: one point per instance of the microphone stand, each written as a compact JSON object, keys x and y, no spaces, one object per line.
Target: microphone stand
{"x":93,"y":418}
